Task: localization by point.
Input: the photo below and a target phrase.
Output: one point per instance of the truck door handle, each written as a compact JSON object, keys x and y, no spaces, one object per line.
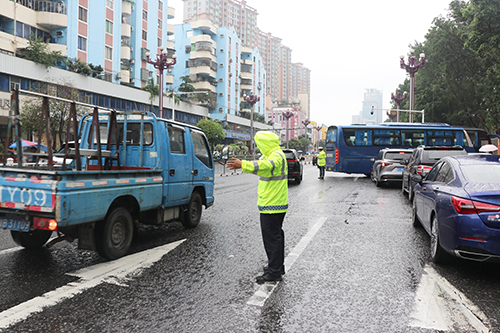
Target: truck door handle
{"x":195,"y":172}
{"x":172,"y":172}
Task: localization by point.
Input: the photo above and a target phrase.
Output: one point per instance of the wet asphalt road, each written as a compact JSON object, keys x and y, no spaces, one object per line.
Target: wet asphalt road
{"x":359,"y":272}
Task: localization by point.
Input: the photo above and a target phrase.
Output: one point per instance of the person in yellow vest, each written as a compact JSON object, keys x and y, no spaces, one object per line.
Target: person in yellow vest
{"x":272,"y":202}
{"x":321,"y":163}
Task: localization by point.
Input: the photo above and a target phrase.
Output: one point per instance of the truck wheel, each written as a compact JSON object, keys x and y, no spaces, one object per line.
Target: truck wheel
{"x":192,"y":216}
{"x":114,"y":235}
{"x":31,"y":240}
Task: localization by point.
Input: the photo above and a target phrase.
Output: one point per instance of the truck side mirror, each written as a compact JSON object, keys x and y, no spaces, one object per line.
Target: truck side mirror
{"x":225,"y":153}
{"x":417,"y":179}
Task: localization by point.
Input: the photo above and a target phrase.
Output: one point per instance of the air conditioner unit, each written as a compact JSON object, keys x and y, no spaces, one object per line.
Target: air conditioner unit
{"x":221,"y":94}
{"x":222,"y":50}
{"x":131,"y":49}
{"x":221,"y":65}
{"x":221,"y":79}
{"x":132,"y":81}
{"x":220,"y":109}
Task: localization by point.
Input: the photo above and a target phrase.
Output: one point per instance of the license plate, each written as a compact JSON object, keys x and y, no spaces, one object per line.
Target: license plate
{"x":14,"y":224}
{"x":399,"y":169}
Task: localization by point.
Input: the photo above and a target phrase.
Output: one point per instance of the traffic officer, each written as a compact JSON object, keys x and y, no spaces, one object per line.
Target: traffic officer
{"x":272,"y":202}
{"x":321,"y":163}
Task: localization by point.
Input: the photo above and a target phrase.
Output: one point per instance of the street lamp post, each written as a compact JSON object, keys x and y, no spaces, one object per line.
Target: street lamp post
{"x":318,"y":128}
{"x":252,"y":99}
{"x":412,"y":67}
{"x":287,"y":115}
{"x":161,"y":64}
{"x":398,"y":99}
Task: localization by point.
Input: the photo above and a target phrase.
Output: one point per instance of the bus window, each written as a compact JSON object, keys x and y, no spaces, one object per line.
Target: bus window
{"x":363,"y":137}
{"x":440,"y":138}
{"x":331,"y":136}
{"x":386,"y":138}
{"x":349,"y":136}
{"x":413,"y":138}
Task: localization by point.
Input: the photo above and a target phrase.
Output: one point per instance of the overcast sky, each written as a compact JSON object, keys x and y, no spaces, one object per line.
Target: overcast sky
{"x":349,"y":46}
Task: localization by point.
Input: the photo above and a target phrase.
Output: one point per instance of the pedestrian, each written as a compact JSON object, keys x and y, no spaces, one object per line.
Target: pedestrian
{"x":321,"y":163}
{"x":272,"y":202}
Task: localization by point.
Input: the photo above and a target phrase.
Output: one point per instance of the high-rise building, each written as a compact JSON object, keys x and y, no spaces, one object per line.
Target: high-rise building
{"x":225,"y":13}
{"x":372,"y":99}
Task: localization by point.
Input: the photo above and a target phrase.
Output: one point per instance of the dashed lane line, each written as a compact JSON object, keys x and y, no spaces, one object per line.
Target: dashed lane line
{"x":265,"y":290}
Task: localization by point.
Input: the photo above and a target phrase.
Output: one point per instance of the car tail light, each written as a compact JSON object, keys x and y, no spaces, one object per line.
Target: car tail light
{"x":44,"y":223}
{"x":292,"y":160}
{"x":466,"y":206}
{"x":383,"y":164}
{"x":423,"y":169}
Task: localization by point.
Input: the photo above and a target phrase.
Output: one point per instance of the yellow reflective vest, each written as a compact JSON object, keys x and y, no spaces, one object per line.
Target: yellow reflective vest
{"x":322,"y":158}
{"x":273,"y":171}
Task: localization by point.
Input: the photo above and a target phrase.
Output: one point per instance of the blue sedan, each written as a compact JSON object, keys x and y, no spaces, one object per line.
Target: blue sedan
{"x":458,"y":204}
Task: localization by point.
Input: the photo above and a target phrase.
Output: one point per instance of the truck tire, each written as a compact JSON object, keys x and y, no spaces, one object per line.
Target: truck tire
{"x":192,"y":216}
{"x":31,"y":240}
{"x":114,"y":234}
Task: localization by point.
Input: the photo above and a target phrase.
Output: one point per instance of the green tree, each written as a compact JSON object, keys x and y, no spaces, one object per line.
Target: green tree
{"x":304,"y":141}
{"x":295,"y":144}
{"x":152,"y":89}
{"x":39,"y":52}
{"x":213,"y":131}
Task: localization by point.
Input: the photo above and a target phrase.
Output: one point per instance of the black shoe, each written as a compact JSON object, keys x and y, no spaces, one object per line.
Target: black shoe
{"x":266,"y":268}
{"x":267,"y":278}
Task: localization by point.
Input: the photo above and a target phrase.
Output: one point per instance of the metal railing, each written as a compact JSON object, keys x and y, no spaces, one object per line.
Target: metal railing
{"x":44,"y":6}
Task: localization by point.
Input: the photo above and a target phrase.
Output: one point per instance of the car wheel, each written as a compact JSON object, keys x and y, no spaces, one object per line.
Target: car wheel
{"x":297,"y":180}
{"x":414,"y":217}
{"x":410,"y":191}
{"x":31,"y":240}
{"x":377,"y":182}
{"x":192,"y":216}
{"x":438,"y":254}
{"x":403,"y":189}
{"x":114,"y":234}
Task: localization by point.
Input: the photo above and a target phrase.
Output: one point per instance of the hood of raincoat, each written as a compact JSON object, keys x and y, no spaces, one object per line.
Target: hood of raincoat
{"x":267,"y":142}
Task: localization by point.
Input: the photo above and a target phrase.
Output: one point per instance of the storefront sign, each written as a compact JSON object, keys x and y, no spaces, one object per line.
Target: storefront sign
{"x":235,"y":135}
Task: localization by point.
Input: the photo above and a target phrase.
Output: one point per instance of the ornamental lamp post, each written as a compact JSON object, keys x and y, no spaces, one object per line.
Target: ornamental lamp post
{"x":287,"y":115}
{"x":398,"y":99}
{"x":318,"y":128}
{"x":252,"y":99}
{"x":412,"y":67}
{"x":161,"y":64}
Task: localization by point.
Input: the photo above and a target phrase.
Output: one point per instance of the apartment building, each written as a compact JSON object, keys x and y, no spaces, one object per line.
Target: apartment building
{"x":225,"y":13}
{"x":215,"y":60}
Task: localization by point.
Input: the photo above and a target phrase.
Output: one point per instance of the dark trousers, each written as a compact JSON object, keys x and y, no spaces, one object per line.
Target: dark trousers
{"x":274,"y":241}
{"x":321,"y":171}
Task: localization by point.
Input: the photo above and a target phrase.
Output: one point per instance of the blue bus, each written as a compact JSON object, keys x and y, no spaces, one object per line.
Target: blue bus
{"x":351,"y":149}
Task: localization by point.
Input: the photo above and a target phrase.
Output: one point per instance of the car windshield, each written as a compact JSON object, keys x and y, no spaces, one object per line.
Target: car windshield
{"x":434,"y":155}
{"x":289,"y":155}
{"x":397,"y":155}
{"x":482,"y":173}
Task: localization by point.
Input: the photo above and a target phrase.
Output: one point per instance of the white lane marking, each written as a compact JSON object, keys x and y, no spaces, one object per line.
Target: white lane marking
{"x":265,"y":290}
{"x":440,"y":306}
{"x":116,"y":272}
{"x":12,"y":249}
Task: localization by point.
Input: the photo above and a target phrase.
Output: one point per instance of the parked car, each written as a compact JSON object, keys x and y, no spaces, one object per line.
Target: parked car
{"x":421,"y":161}
{"x":387,"y":166}
{"x":295,"y":167}
{"x":458,"y":204}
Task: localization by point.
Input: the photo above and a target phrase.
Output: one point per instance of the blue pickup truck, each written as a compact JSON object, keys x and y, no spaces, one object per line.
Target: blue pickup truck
{"x":145,"y":169}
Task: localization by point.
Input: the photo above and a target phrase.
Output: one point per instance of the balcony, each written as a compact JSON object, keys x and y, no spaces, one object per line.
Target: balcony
{"x":204,"y":85}
{"x":205,"y":26}
{"x":169,"y":79}
{"x":58,"y":47}
{"x":246,"y":75}
{"x":125,"y":76}
{"x":170,"y":29}
{"x":171,"y":45}
{"x":245,"y":49}
{"x":170,"y":13}
{"x":203,"y":55}
{"x":126,"y":30}
{"x":125,"y":53}
{"x":246,"y":86}
{"x":203,"y":70}
{"x":51,"y":14}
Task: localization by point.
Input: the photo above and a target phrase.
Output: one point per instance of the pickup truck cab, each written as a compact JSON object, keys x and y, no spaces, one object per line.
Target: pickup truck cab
{"x":144,"y":169}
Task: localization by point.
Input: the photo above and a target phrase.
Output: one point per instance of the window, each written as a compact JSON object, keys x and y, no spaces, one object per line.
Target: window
{"x":144,"y":15}
{"x":109,"y":27}
{"x":160,"y":24}
{"x":201,"y":150}
{"x":82,"y":14}
{"x":110,"y":3}
{"x":82,"y":43}
{"x":445,"y":174}
{"x":160,"y":5}
{"x":108,"y":53}
{"x":133,"y":134}
{"x":144,"y":35}
{"x":176,"y":138}
{"x":159,"y":42}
